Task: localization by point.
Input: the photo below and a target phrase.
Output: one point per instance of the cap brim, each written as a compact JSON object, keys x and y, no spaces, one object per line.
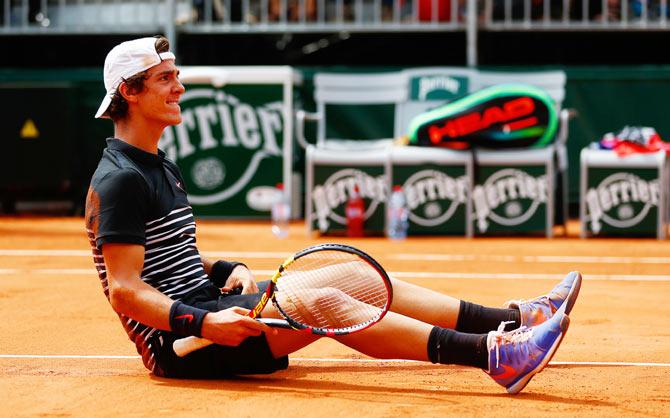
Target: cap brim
{"x":103,"y":107}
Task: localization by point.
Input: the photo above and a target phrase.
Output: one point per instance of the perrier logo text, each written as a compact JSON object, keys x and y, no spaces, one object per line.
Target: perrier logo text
{"x":433,"y":197}
{"x":516,"y":192}
{"x":329,"y":199}
{"x":212,"y":120}
{"x":621,"y":200}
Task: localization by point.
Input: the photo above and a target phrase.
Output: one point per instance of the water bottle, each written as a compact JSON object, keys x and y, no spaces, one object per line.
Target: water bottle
{"x":354,"y":211}
{"x":281,"y":213}
{"x":398,"y":215}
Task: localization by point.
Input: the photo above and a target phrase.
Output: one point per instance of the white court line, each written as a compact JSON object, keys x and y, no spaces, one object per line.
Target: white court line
{"x":400,"y":275}
{"x":87,"y":253}
{"x":502,"y":258}
{"x":65,"y":356}
{"x":63,"y":272}
{"x":517,"y":276}
{"x":533,"y":259}
{"x":341,"y":360}
{"x":46,"y":253}
{"x":556,"y":363}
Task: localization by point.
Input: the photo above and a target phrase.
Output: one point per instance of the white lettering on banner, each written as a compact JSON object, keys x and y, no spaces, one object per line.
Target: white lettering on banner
{"x":241,"y":125}
{"x":507,"y":187}
{"x":247,"y":126}
{"x":426,"y":189}
{"x":184,"y":145}
{"x":229,"y":139}
{"x":617,"y":193}
{"x":337,"y":189}
{"x":430,"y":84}
{"x":206,"y":117}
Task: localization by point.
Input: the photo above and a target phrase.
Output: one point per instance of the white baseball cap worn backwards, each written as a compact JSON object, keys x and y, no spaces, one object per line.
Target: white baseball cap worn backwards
{"x":124,"y":61}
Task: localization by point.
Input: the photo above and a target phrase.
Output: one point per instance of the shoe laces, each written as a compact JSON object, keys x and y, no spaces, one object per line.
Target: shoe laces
{"x":514,"y":337}
{"x":516,"y":303}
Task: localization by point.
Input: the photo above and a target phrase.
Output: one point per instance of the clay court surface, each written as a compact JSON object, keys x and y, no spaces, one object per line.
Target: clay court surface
{"x":64,"y":352}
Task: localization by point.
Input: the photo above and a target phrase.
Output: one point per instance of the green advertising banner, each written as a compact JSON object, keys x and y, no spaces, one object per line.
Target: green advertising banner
{"x":510,"y":199}
{"x":436,"y":197}
{"x":622,"y":201}
{"x":233,"y":145}
{"x":332,"y":187}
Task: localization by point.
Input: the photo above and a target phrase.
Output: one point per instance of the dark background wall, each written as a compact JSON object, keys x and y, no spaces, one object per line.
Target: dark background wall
{"x":357,"y":49}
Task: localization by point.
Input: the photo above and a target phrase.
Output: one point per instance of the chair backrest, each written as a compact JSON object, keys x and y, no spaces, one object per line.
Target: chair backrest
{"x":352,"y":90}
{"x":553,"y":82}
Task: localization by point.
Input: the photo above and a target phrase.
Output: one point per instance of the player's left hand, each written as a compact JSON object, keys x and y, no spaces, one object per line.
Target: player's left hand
{"x":241,"y":277}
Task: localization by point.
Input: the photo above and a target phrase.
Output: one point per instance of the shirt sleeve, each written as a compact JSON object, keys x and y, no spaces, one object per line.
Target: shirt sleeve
{"x":123,"y":205}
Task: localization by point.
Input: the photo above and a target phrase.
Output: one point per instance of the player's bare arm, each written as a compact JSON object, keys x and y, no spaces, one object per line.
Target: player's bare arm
{"x":130,"y":296}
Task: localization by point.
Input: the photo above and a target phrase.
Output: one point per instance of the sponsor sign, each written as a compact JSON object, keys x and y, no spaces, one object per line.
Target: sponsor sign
{"x":436,"y":197}
{"x":622,"y":201}
{"x":229,"y":147}
{"x":438,"y":87}
{"x":333,"y":186}
{"x":510,"y":199}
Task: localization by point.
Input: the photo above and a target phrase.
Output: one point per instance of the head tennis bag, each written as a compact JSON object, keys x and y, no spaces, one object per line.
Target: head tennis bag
{"x":503,"y":116}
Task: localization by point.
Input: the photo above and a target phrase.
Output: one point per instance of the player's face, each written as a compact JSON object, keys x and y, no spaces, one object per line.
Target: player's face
{"x":159,"y":101}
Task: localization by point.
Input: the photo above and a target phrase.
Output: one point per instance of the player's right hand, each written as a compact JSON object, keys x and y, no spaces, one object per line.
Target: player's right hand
{"x":232,"y":326}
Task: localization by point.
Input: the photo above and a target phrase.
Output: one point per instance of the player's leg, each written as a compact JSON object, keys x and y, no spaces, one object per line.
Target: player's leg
{"x":424,"y":304}
{"x":445,"y":311}
{"x":510,"y":358}
{"x":448,"y":312}
{"x":403,"y":337}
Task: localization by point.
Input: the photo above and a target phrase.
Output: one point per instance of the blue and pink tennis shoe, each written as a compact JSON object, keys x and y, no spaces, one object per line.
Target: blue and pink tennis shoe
{"x":516,"y":356}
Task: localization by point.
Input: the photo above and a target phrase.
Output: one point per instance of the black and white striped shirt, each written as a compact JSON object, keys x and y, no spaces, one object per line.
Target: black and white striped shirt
{"x":136,"y":197}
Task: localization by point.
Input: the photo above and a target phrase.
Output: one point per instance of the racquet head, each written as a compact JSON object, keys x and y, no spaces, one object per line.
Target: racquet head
{"x":329,"y":289}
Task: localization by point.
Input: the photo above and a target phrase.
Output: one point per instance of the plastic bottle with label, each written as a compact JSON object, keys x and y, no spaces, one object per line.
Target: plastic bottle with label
{"x":355,"y":213}
{"x":281,"y":213}
{"x":398,"y":215}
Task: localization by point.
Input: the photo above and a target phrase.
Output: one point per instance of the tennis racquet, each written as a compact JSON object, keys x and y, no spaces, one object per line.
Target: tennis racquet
{"x":328,"y":289}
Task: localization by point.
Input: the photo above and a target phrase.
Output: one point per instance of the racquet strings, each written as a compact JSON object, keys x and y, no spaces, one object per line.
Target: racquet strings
{"x":332,"y":290}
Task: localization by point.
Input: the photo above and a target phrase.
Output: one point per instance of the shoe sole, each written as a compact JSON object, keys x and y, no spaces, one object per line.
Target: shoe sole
{"x":518,"y":386}
{"x":570,"y":300}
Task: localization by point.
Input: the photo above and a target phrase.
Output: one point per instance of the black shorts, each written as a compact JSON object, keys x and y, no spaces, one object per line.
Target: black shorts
{"x":252,"y":356}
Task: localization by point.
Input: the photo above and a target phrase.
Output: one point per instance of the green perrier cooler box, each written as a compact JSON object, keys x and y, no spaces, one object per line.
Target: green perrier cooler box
{"x":436,"y":184}
{"x":514,"y":192}
{"x":234,"y":143}
{"x":332,"y":176}
{"x":624,"y":195}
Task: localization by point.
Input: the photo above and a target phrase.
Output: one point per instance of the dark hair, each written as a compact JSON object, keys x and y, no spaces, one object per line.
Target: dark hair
{"x":118,"y":108}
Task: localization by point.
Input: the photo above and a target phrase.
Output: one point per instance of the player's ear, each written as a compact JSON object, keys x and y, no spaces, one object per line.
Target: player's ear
{"x":127,"y":93}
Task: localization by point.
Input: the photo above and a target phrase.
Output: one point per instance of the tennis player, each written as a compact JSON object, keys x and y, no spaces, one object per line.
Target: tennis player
{"x":143,"y":237}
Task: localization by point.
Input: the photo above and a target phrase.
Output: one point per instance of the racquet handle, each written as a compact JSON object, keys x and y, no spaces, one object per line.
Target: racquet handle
{"x":187,"y":345}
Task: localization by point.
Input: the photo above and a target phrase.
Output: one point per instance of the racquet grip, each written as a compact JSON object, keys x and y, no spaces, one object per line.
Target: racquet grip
{"x":187,"y":345}
{"x":184,"y":346}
